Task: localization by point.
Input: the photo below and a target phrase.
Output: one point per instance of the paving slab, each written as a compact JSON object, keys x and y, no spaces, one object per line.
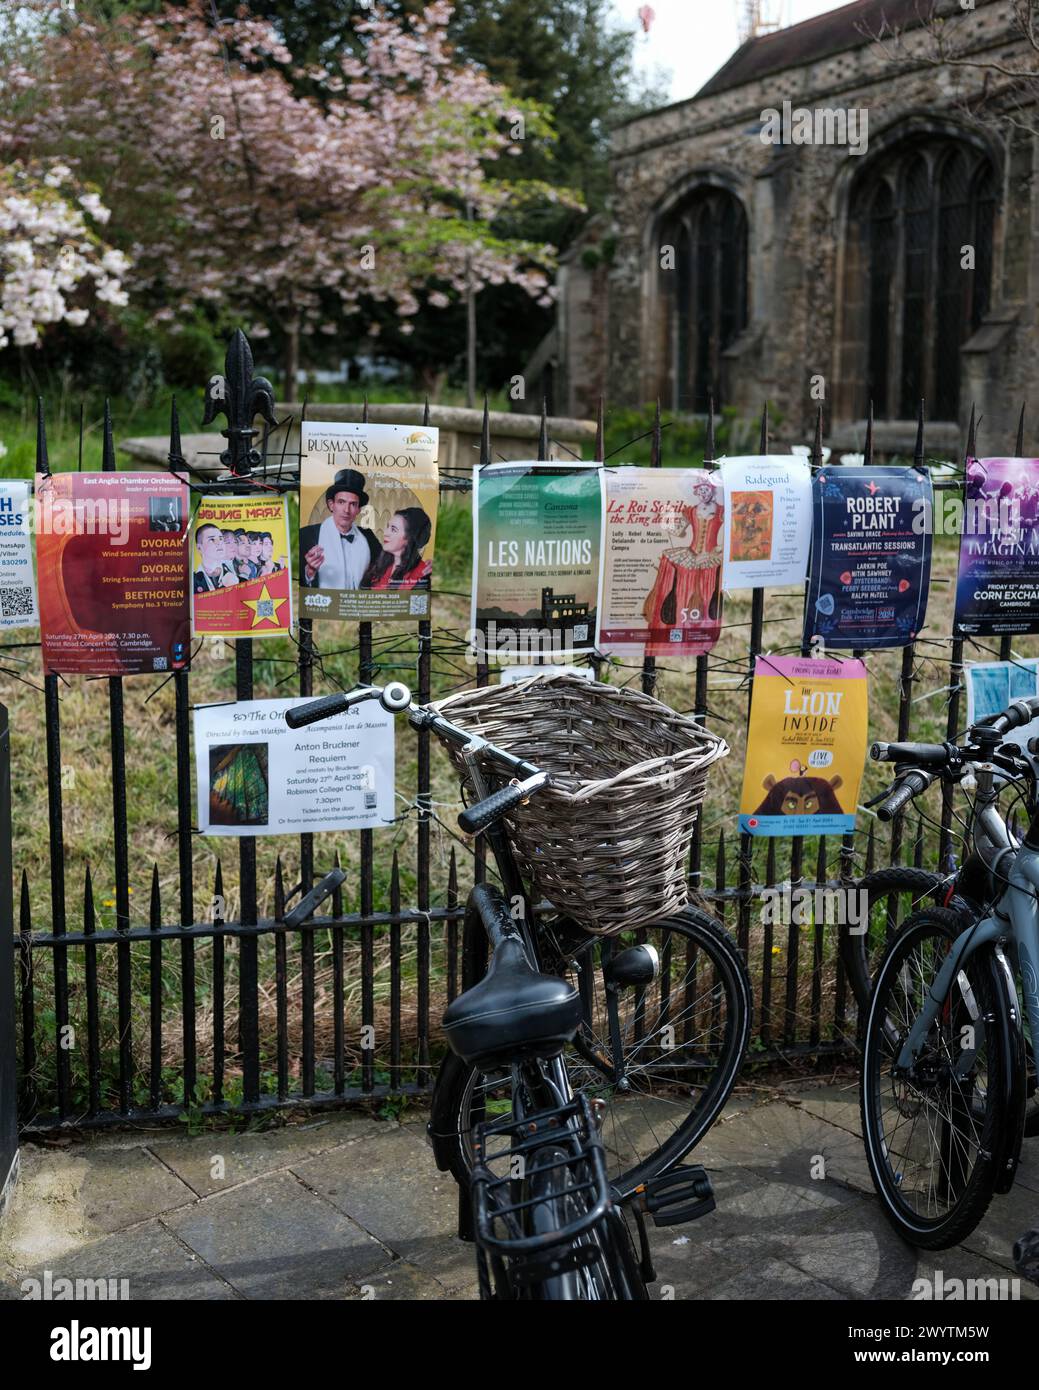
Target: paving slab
{"x":392,"y":1187}
{"x":399,"y":1282}
{"x":273,"y":1238}
{"x":151,"y":1261}
{"x":215,"y":1162}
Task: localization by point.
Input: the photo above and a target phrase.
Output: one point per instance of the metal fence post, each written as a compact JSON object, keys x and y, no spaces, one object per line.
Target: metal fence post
{"x":8,"y":1085}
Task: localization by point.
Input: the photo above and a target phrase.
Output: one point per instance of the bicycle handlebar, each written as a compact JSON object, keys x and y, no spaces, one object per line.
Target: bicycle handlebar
{"x":476,"y":818}
{"x":908,"y":786}
{"x":919,"y":754}
{"x":396,"y":697}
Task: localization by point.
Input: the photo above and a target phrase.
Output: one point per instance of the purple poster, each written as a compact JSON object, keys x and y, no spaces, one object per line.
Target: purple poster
{"x":998,"y":586}
{"x":871,"y":557}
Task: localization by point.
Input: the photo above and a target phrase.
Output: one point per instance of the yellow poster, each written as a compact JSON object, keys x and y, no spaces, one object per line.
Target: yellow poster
{"x":806,"y":746}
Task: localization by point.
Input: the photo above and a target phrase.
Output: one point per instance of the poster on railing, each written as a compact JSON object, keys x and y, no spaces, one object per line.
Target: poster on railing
{"x":537,"y":559}
{"x":256,"y":776}
{"x":768,"y":521}
{"x":367,"y":513}
{"x":662,"y":593}
{"x":112,"y":563}
{"x":992,"y":685}
{"x":17,"y":585}
{"x":241,"y":570}
{"x":871,"y":557}
{"x":806,"y":746}
{"x":998,"y":585}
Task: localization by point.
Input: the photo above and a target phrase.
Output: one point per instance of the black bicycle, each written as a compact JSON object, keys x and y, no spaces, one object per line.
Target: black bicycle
{"x":582,"y":1068}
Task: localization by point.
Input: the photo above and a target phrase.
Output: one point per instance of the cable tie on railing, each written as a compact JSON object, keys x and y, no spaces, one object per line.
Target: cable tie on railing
{"x":930,"y":694}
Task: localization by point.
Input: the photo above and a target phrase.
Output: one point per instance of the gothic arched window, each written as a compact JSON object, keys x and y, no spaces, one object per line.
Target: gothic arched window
{"x":703,"y":293}
{"x":919,"y":275}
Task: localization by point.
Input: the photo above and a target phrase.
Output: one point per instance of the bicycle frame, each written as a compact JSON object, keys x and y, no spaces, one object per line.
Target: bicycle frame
{"x":1013,"y":918}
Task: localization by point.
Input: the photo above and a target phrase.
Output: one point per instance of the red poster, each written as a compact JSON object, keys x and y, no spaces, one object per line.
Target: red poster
{"x":113,"y":573}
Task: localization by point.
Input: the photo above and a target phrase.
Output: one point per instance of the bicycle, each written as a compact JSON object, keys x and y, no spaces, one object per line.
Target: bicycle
{"x":945,"y":1070}
{"x":558,"y":1110}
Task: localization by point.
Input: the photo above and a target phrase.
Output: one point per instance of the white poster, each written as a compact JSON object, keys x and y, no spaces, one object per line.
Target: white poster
{"x":510,"y":675}
{"x":768,"y":521}
{"x":17,"y":588}
{"x":256,"y":776}
{"x":992,"y":685}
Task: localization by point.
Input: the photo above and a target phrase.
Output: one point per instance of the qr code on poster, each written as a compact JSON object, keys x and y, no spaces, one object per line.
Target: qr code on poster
{"x":419,"y":605}
{"x":16,"y":603}
{"x":160,"y":663}
{"x":580,"y":632}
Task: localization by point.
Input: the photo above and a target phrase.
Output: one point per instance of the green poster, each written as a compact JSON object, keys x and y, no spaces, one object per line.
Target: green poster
{"x":537,"y":559}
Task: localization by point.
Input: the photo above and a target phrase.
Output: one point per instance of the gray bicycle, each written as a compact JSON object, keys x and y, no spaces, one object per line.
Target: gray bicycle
{"x":945,"y":1070}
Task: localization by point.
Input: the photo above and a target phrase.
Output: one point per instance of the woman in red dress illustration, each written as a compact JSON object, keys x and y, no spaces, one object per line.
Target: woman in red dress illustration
{"x":686,"y":597}
{"x":400,"y":564}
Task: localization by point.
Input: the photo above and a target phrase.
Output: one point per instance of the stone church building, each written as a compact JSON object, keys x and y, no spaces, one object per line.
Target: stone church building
{"x":750,"y":255}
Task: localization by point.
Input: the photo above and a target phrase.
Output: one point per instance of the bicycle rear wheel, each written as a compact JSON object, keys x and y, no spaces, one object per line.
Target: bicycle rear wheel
{"x":930,"y":1136}
{"x":660,"y":1059}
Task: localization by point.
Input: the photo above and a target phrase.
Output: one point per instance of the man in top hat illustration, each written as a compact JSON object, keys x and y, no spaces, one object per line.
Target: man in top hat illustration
{"x":337,"y":552}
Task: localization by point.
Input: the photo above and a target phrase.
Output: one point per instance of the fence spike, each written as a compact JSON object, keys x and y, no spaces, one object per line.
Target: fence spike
{"x":337,"y":892}
{"x":155,"y":905}
{"x":485,"y":433}
{"x":871,"y":846}
{"x":543,"y":431}
{"x":107,"y":446}
{"x":364,"y":410}
{"x":88,"y":901}
{"x":817,"y":441}
{"x":42,"y":459}
{"x":175,"y":456}
{"x":24,"y":910}
{"x":452,"y":880}
{"x":656,"y":439}
{"x":719,"y":863}
{"x":425,"y":411}
{"x":395,"y":885}
{"x":972,"y":434}
{"x":600,"y":431}
{"x":918,"y":451}
{"x":279,"y":890}
{"x":1021,"y":432}
{"x":709,"y":445}
{"x":764,"y":430}
{"x":218,"y":893}
{"x":868,"y":450}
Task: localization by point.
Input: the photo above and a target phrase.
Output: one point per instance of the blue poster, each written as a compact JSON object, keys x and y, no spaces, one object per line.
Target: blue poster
{"x":871,"y":557}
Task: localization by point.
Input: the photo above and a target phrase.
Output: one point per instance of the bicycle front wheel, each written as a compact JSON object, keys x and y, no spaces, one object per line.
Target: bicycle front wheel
{"x":660,"y":1058}
{"x":930,"y":1133}
{"x":886,"y":899}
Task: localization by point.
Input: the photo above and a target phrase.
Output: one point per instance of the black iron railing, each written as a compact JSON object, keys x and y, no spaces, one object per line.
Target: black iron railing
{"x":122,"y":1019}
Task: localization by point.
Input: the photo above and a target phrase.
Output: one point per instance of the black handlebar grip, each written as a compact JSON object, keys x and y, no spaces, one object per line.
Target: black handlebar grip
{"x":475,"y":818}
{"x":919,"y":754}
{"x":324,"y":708}
{"x":901,"y":794}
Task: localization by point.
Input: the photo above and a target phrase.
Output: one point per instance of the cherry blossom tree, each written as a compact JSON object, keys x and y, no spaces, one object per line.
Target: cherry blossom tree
{"x":229,"y":188}
{"x":53,"y":263}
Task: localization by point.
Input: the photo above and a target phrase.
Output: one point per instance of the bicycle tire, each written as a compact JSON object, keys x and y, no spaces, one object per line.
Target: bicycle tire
{"x":461,"y":1089}
{"x":611,"y":1277}
{"x":862,"y":952}
{"x":979,"y":985}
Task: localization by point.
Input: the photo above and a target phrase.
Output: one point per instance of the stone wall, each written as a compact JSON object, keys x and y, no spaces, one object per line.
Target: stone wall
{"x":796,"y":198}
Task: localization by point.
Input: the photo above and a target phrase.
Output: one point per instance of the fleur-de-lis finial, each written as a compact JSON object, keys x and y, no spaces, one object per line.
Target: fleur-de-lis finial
{"x":240,"y":397}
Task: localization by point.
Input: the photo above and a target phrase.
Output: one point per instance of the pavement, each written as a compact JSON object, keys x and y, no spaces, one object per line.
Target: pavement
{"x":348,"y":1206}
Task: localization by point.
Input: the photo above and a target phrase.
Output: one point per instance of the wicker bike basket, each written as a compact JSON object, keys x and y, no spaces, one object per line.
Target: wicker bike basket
{"x":606,"y":841}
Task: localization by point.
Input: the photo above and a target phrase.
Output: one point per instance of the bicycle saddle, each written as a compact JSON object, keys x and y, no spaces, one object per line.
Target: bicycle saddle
{"x":512,"y":1012}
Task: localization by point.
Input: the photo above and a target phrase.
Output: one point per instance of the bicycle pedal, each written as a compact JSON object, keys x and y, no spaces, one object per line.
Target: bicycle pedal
{"x":683,"y":1194}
